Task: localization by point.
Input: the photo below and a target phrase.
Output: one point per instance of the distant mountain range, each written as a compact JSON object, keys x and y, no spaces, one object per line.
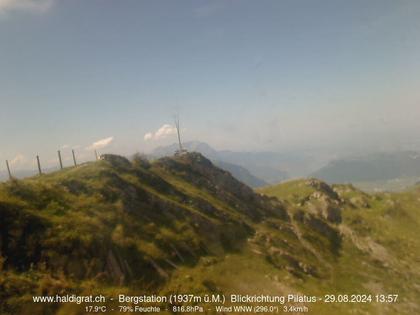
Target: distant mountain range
{"x":241,"y":174}
{"x":253,"y":168}
{"x":373,"y":167}
{"x":272,"y":167}
{"x":256,"y":169}
{"x":376,"y":171}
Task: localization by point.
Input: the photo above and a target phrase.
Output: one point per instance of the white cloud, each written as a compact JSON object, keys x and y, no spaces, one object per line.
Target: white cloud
{"x":29,"y":5}
{"x":148,"y":136}
{"x":18,"y":160}
{"x":163,"y":132}
{"x":100,"y":144}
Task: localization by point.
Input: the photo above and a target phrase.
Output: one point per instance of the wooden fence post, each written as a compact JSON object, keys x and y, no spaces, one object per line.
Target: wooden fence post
{"x":8,"y":170}
{"x":74,"y":158}
{"x":39,"y":165}
{"x":59,"y":159}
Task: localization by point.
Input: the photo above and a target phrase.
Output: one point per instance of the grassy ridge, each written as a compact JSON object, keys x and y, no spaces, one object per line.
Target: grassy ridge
{"x":119,"y":223}
{"x":182,"y":225}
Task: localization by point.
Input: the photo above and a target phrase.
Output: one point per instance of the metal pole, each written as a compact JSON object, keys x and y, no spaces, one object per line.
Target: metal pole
{"x":178,"y":132}
{"x":39,"y":165}
{"x":96,"y":154}
{"x":74,"y":157}
{"x":8,"y":170}
{"x":59,"y":159}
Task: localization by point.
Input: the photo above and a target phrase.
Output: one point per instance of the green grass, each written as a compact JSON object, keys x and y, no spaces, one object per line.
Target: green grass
{"x":381,"y":255}
{"x":182,"y":225}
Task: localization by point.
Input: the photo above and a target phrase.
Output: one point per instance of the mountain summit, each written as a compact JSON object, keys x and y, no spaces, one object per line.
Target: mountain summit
{"x":255,"y":169}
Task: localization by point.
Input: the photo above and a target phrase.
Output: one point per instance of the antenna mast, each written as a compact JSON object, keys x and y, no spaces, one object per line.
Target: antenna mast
{"x":178,"y":132}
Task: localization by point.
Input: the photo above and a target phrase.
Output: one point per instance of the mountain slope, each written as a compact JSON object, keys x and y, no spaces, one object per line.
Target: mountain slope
{"x":182,"y":225}
{"x":241,"y":174}
{"x":265,"y":166}
{"x":116,"y":222}
{"x":377,"y":241}
{"x":379,"y":169}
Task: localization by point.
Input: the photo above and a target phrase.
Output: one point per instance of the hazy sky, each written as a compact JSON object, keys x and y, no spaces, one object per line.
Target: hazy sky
{"x":243,"y":75}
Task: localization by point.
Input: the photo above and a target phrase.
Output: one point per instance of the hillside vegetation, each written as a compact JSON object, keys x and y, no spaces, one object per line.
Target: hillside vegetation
{"x":377,"y":240}
{"x":180,"y":224}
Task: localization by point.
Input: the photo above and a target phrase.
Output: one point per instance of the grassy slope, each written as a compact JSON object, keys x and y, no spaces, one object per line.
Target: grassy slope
{"x":182,"y":225}
{"x":380,"y":246}
{"x":115,"y":224}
